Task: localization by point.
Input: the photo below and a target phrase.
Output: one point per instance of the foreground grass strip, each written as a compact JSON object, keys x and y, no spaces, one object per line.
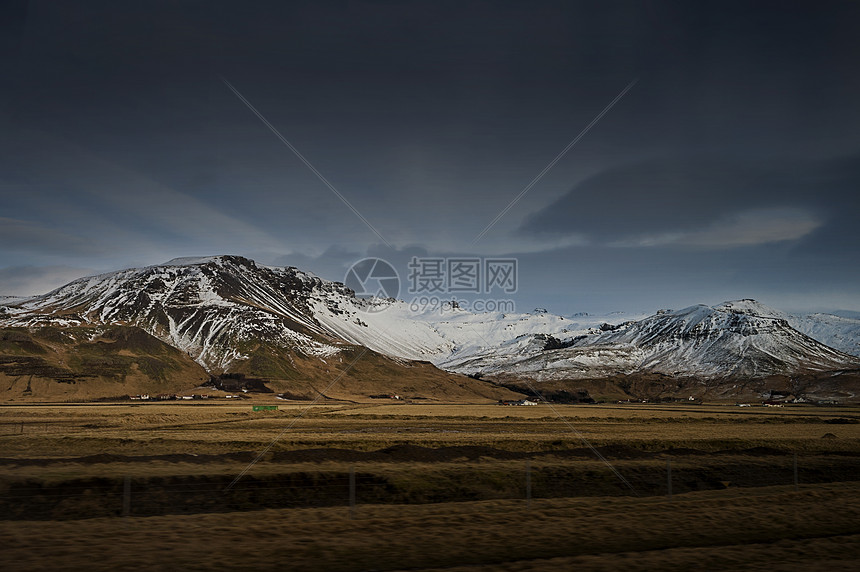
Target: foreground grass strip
{"x":833,"y":553}
{"x":594,"y":531}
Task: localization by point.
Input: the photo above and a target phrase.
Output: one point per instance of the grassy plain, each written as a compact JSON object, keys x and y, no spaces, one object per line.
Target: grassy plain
{"x":437,"y":486}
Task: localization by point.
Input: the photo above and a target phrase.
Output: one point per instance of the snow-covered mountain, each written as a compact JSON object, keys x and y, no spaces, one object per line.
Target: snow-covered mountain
{"x":839,"y":331}
{"x":227,"y":312}
{"x":214,"y":307}
{"x":211,"y":308}
{"x":232,"y":316}
{"x":741,"y":339}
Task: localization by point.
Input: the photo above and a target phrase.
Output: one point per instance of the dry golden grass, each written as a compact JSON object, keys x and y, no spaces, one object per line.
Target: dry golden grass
{"x":746,"y":526}
{"x":157,"y":429}
{"x":772,"y":528}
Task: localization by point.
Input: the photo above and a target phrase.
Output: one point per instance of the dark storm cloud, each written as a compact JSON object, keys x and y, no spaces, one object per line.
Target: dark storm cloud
{"x":335,"y":262}
{"x":32,"y":280}
{"x":430,"y":118}
{"x":74,"y":203}
{"x":707,"y":201}
{"x":332,"y":263}
{"x":34,"y":238}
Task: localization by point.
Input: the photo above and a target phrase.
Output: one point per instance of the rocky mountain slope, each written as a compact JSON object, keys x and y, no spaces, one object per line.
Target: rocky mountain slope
{"x":839,"y":331}
{"x":214,"y":309}
{"x":231,"y":315}
{"x":79,"y":363}
{"x":729,"y":348}
{"x":740,"y":339}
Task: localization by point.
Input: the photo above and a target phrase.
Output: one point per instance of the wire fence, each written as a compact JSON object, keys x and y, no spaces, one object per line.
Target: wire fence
{"x":353,"y":486}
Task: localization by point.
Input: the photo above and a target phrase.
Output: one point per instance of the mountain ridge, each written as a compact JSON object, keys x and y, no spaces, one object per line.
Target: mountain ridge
{"x":231,"y":315}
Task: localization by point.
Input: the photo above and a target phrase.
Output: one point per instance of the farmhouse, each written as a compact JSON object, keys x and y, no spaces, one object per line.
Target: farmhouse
{"x":520,"y":402}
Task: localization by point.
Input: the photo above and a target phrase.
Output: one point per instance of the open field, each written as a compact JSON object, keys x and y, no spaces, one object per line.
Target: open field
{"x":200,"y":428}
{"x":775,"y":528}
{"x":435,"y":486}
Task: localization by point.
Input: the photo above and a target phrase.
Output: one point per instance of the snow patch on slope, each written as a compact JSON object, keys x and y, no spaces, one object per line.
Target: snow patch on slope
{"x":837,"y":331}
{"x":217,"y":309}
{"x":727,"y":340}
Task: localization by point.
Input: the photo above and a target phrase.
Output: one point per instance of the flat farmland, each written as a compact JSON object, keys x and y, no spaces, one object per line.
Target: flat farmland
{"x":156,"y":429}
{"x":332,"y":484}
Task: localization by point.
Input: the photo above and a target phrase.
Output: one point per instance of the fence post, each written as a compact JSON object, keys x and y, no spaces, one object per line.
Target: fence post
{"x":352,"y":493}
{"x":669,"y":477}
{"x":795,"y":472}
{"x":126,"y":496}
{"x":528,"y":485}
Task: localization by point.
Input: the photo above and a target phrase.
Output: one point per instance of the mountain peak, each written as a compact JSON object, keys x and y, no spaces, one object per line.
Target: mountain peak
{"x":231,"y":315}
{"x":750,"y":307}
{"x":200,"y":260}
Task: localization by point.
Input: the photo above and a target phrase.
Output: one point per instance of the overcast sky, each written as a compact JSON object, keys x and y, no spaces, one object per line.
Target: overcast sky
{"x":730,"y":169}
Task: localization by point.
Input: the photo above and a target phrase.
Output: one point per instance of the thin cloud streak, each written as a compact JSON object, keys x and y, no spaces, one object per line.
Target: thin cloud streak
{"x":128,"y":211}
{"x":37,"y":238}
{"x":35,"y":280}
{"x":305,"y":161}
{"x":552,"y":163}
{"x":746,"y":228}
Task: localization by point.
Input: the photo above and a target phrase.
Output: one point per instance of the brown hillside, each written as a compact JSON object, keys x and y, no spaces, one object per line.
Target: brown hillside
{"x":86,"y":363}
{"x":89,"y":363}
{"x":360,"y":374}
{"x":840,"y":387}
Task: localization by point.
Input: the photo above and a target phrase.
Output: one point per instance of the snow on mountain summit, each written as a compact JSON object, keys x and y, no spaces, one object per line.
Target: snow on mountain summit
{"x":210,"y":307}
{"x":837,"y":331}
{"x":741,"y":339}
{"x":222,"y":309}
{"x":193,"y":260}
{"x":751,"y":307}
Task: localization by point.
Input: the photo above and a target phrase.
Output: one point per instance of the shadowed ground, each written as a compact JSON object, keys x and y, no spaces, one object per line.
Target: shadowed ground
{"x":437,"y":487}
{"x":772,"y":528}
